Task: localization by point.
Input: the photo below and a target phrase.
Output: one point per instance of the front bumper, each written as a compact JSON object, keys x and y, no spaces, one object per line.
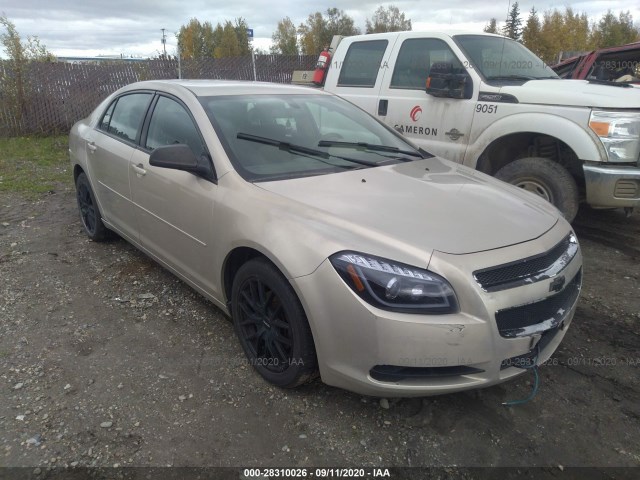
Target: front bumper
{"x":612,"y":186}
{"x":380,"y":353}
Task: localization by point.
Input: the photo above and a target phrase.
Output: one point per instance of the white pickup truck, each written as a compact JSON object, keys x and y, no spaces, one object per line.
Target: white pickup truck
{"x":489,"y":103}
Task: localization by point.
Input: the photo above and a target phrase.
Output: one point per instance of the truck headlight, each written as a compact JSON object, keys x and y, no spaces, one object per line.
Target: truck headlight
{"x":619,"y":132}
{"x":395,"y":286}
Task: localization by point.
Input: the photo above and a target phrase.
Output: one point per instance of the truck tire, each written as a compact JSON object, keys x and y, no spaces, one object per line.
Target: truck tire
{"x":546,"y":179}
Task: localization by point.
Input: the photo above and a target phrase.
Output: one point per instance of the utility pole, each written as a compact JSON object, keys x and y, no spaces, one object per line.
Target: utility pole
{"x":164,"y":42}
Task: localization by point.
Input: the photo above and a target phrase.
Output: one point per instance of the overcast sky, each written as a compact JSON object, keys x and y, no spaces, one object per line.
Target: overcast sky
{"x":133,"y":27}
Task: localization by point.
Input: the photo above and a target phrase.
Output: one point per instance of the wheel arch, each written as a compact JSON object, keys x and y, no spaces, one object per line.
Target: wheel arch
{"x":237,"y":257}
{"x":514,"y":130}
{"x":514,"y":146}
{"x":77,"y":170}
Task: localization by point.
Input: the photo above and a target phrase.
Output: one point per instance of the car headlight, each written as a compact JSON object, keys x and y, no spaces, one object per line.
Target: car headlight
{"x":395,"y":286}
{"x":619,"y":132}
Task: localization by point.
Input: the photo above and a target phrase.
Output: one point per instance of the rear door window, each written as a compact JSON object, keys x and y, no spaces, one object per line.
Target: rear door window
{"x":124,"y":120}
{"x":362,"y":64}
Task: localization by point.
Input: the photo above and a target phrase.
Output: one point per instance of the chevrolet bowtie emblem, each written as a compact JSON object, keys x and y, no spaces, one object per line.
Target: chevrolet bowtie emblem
{"x":557,"y":284}
{"x":454,"y":134}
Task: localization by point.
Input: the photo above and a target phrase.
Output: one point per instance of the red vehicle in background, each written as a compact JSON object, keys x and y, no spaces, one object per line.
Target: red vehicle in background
{"x":613,"y":64}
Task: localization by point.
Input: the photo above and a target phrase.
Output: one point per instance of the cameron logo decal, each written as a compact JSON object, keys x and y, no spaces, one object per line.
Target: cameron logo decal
{"x":415,"y":113}
{"x":427,"y":131}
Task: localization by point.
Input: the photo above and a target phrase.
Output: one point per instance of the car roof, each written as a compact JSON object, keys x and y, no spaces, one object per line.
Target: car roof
{"x":205,"y":88}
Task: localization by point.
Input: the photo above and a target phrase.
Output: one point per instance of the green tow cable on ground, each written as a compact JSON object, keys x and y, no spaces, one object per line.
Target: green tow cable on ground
{"x":536,"y":382}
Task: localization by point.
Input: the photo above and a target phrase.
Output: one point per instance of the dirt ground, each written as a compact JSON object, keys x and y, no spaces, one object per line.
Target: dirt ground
{"x":107,"y":359}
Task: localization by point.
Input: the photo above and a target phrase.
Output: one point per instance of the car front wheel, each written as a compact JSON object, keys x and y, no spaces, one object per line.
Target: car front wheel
{"x":272,"y":326}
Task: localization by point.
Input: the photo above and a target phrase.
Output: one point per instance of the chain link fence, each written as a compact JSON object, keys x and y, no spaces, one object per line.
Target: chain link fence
{"x":48,"y":98}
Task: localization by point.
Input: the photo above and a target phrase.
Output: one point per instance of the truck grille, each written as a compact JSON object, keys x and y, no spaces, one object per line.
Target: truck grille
{"x":539,"y":316}
{"x":528,"y":270}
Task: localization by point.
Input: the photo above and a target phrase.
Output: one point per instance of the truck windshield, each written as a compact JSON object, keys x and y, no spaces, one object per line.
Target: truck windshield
{"x":503,"y":59}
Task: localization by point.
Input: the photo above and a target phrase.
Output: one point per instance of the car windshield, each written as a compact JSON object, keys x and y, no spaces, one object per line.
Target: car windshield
{"x":269,"y":137}
{"x":503,"y":59}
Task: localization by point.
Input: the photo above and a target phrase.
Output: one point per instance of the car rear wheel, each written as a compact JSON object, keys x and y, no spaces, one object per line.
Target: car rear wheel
{"x":89,"y":211}
{"x":272,"y":326}
{"x":545,"y":178}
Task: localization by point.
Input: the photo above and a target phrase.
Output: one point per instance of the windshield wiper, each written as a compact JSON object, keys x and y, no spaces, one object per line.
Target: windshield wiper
{"x":292,"y":148}
{"x":369,"y":146}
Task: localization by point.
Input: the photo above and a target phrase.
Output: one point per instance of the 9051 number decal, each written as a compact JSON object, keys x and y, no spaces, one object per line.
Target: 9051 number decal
{"x":484,"y":108}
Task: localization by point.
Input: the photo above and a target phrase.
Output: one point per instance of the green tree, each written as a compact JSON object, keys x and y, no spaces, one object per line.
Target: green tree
{"x":229,"y":45}
{"x":513,"y":26}
{"x":492,"y":26}
{"x":570,"y":31}
{"x":196,"y":40}
{"x":19,"y":51}
{"x":531,"y":34}
{"x":13,"y":84}
{"x":389,"y":19}
{"x":201,"y":40}
{"x":611,"y":30}
{"x":242,"y":35}
{"x":552,"y":33}
{"x":339,"y":23}
{"x":319,"y":29}
{"x":566,"y":31}
{"x":576,"y":32}
{"x":285,"y":38}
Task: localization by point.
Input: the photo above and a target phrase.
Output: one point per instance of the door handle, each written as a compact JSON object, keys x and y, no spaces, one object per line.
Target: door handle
{"x":92,"y":146}
{"x":140,"y":171}
{"x":382,"y":107}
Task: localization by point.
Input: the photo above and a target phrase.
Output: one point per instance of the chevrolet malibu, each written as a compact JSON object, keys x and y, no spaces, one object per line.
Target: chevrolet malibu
{"x":336,"y":246}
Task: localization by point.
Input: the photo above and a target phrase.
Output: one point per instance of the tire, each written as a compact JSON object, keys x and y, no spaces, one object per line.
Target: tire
{"x":89,"y":211}
{"x":272,"y":326}
{"x":546,"y":179}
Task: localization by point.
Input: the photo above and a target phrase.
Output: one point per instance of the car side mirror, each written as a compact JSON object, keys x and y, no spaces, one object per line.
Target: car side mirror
{"x":181,"y":157}
{"x":442,"y":82}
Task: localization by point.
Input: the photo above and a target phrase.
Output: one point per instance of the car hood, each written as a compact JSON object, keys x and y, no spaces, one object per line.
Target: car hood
{"x":574,"y":93}
{"x":429,"y":204}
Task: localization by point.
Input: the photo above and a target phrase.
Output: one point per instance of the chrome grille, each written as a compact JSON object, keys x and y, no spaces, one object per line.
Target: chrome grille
{"x":528,"y":270}
{"x":539,"y":316}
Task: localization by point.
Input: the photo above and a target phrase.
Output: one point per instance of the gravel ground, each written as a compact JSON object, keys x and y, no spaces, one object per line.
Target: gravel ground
{"x":107,"y":359}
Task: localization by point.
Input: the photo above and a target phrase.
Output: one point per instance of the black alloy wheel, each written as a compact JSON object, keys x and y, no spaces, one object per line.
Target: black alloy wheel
{"x":271,"y":325}
{"x":89,"y":212}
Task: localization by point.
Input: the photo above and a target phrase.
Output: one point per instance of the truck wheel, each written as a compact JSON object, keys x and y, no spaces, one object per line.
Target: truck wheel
{"x":546,"y":179}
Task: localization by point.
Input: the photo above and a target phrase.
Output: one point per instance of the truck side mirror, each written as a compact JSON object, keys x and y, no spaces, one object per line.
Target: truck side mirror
{"x":442,"y":82}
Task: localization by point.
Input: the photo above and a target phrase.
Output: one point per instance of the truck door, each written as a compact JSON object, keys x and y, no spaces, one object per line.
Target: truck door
{"x":441,"y":126}
{"x":357,"y":76}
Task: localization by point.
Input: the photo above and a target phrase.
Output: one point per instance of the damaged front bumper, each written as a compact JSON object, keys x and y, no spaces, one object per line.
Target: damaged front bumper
{"x":381,"y":353}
